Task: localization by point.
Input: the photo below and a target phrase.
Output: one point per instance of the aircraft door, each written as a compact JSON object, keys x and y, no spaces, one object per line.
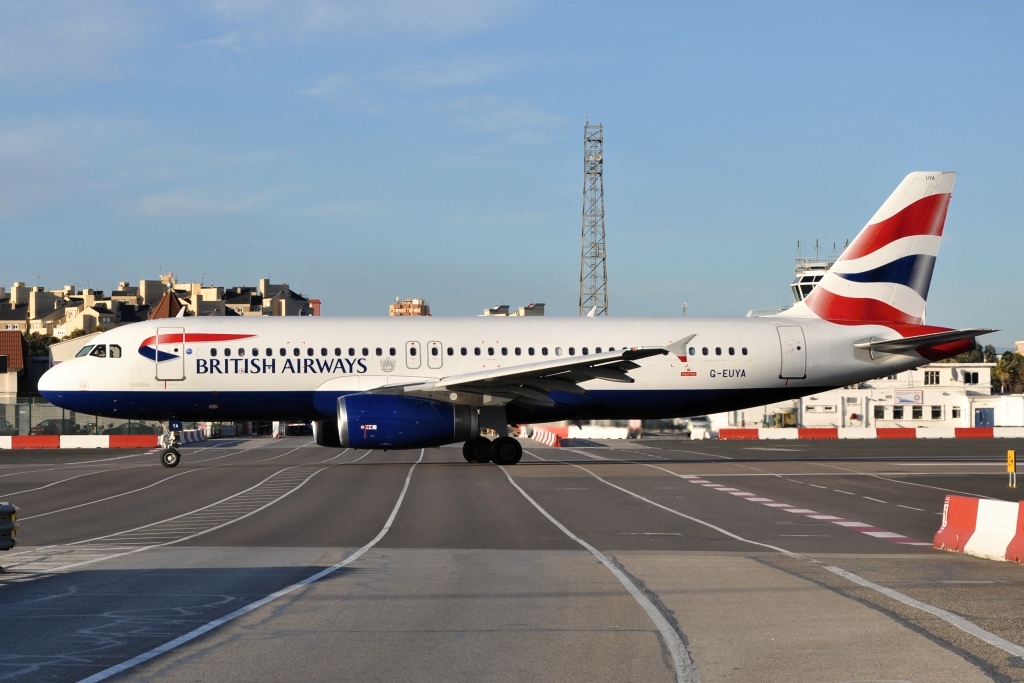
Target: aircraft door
{"x":794,"y":353}
{"x":412,"y":355}
{"x":169,"y":353}
{"x":434,"y":355}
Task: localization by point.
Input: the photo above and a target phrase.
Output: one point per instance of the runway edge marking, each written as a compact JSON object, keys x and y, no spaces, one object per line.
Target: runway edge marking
{"x":242,"y":611}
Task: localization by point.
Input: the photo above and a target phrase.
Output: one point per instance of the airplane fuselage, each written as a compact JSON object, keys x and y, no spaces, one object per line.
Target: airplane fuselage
{"x":296,"y":368}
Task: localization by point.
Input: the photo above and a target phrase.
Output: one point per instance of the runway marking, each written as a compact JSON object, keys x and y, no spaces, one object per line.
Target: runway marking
{"x":118,"y":495}
{"x":950,"y":618}
{"x":908,"y":507}
{"x":242,"y":611}
{"x":686,"y":671}
{"x":875,"y":499}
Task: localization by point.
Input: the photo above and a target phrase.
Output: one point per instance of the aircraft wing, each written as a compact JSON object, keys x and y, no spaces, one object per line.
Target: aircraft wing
{"x":905,"y":344}
{"x":530,"y":383}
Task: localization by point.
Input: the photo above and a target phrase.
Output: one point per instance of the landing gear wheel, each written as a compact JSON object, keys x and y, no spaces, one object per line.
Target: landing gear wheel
{"x":477,"y":450}
{"x":506,"y":451}
{"x":170,"y":458}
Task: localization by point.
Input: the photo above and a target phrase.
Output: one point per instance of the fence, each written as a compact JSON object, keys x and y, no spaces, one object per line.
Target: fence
{"x":34,"y":416}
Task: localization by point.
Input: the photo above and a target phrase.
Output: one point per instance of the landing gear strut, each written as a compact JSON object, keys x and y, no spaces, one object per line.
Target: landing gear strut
{"x":171,"y":438}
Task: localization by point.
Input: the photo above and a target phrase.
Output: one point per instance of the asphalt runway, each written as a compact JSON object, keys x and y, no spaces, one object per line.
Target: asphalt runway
{"x":655,"y":560}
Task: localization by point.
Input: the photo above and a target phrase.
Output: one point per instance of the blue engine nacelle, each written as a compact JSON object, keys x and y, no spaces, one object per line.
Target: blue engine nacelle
{"x":391,"y":421}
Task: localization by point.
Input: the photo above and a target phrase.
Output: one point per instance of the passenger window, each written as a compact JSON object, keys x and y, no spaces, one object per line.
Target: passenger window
{"x":572,"y":351}
{"x":586,"y":351}
{"x":693,"y":351}
{"x":543,"y":350}
{"x":115,"y":351}
{"x":597,"y":350}
{"x":451,"y":351}
{"x":412,"y":350}
{"x":732,"y":351}
{"x":337,"y":351}
{"x":213,"y":352}
{"x":379,"y":351}
{"x":476,"y":351}
{"x":490,"y":350}
{"x":283,"y":351}
{"x":351,"y":351}
{"x":744,"y":350}
{"x":504,"y":351}
{"x":558,"y":350}
{"x":323,"y":351}
{"x":295,"y":351}
{"x":391,"y":351}
{"x":530,"y":350}
{"x":433,"y":351}
{"x":241,"y":352}
{"x":270,"y":352}
{"x":718,"y":350}
{"x":519,"y":351}
{"x":255,"y":352}
{"x":366,"y":351}
{"x":227,"y":352}
{"x":464,"y":351}
{"x":704,"y":350}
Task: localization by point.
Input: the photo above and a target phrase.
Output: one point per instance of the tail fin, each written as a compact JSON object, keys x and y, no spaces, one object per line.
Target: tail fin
{"x":883,"y":276}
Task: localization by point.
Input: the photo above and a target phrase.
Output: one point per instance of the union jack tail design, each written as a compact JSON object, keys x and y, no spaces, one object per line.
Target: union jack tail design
{"x":883,"y":276}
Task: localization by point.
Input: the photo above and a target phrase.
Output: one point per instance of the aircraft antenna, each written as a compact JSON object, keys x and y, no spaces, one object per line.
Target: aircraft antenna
{"x":593,"y":268}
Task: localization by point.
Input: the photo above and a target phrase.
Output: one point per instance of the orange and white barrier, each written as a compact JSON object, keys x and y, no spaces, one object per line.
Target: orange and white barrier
{"x":550,"y":436}
{"x":756,"y":434}
{"x":993,"y":529}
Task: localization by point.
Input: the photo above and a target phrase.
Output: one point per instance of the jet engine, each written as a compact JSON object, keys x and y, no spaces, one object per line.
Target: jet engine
{"x":325,"y":433}
{"x":391,"y":421}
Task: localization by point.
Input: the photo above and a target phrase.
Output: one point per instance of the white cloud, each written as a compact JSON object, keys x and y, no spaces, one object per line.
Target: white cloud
{"x":56,"y":40}
{"x":466,"y":71}
{"x":202,"y":201}
{"x":306,"y":20}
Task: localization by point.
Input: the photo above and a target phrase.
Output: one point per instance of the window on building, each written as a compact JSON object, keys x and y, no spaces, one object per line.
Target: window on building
{"x":891,"y":377}
{"x":879,"y":412}
{"x":955,"y":413}
{"x":917,"y":412}
{"x":931,"y":377}
{"x":897,"y":412}
{"x":936,"y":412}
{"x":970,"y":378}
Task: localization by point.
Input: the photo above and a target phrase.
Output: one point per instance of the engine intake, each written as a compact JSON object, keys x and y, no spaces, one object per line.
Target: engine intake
{"x":391,"y":421}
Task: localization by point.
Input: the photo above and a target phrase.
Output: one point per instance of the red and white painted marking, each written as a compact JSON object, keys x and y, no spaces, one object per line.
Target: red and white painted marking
{"x":866,"y":529}
{"x":993,"y":529}
{"x":828,"y":433}
{"x":94,"y":440}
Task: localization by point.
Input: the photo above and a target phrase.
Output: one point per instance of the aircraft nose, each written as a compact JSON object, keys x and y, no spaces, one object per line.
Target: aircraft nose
{"x":54,"y":383}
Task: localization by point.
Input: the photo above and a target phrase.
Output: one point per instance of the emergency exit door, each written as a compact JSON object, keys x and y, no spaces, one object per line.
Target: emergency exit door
{"x":169,"y":353}
{"x":794,"y":353}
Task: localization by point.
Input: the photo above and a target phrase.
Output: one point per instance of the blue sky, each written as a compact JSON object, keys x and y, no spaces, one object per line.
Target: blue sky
{"x":363,"y":151}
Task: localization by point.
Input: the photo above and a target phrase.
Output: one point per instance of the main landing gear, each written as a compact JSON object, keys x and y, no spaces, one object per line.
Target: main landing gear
{"x":502,"y":451}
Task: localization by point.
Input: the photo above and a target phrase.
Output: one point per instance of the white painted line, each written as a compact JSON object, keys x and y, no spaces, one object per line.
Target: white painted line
{"x":846,"y":492}
{"x":686,"y":672}
{"x":948,"y":617}
{"x":216,"y":623}
{"x":827,"y":518}
{"x":875,"y":499}
{"x":801,"y":511}
{"x":884,"y":534}
{"x":909,"y":508}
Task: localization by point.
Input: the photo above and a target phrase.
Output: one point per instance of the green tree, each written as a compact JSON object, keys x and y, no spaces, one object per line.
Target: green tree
{"x":39,"y":343}
{"x":1008,"y":374}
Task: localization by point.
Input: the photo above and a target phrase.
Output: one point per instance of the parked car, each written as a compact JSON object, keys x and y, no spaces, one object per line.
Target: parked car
{"x":55,"y":425}
{"x":133,"y":428}
{"x":7,"y":429}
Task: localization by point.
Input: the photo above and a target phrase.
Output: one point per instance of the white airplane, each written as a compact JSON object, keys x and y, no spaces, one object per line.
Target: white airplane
{"x":394,"y":383}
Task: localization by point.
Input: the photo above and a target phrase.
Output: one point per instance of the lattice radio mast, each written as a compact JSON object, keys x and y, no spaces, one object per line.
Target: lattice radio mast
{"x":593,"y":269}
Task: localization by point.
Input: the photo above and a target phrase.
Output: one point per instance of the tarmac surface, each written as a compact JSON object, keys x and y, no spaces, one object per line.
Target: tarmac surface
{"x":652,"y":560}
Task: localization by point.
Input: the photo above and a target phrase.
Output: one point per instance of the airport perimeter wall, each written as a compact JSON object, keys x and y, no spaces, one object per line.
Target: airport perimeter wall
{"x":992,"y":529}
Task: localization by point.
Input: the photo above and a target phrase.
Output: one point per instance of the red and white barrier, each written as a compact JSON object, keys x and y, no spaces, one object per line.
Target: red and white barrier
{"x":94,"y":440}
{"x":993,"y":529}
{"x":550,"y":436}
{"x":756,"y":434}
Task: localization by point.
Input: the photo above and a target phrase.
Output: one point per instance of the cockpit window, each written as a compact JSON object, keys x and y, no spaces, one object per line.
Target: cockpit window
{"x":115,"y":351}
{"x":99,"y":351}
{"x":84,"y":352}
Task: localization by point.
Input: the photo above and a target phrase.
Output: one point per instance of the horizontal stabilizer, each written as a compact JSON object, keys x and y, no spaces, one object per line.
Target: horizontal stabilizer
{"x":905,"y":344}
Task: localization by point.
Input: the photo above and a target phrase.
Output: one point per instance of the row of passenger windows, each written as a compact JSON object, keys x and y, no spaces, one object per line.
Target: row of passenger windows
{"x":434,"y":351}
{"x":705,"y":351}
